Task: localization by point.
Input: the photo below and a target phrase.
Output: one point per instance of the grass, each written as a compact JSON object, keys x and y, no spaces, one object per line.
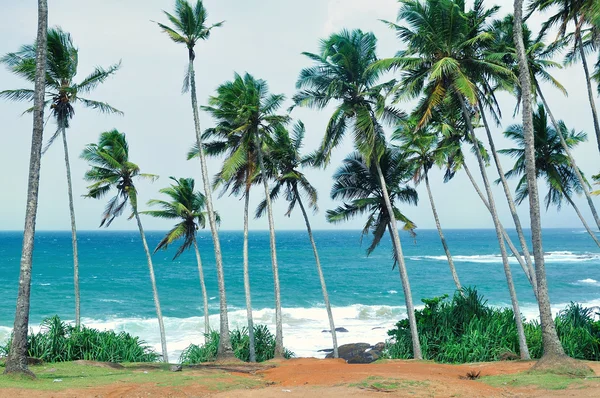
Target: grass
{"x":545,"y":381}
{"x":75,"y":376}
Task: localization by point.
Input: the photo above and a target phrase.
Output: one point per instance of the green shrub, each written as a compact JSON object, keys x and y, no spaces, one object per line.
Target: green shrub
{"x":240,"y":341}
{"x":60,"y":342}
{"x":465,"y":329}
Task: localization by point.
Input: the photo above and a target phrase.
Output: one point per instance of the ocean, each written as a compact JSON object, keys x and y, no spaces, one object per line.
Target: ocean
{"x":365,"y":292}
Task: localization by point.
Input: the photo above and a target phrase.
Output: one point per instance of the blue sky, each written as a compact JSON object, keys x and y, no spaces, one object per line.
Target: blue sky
{"x":264,"y":38}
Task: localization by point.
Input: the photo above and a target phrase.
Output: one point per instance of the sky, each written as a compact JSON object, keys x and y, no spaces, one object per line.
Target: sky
{"x":265,"y":38}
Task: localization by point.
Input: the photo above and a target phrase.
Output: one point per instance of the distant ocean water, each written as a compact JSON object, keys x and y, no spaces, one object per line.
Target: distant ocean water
{"x":365,"y":292}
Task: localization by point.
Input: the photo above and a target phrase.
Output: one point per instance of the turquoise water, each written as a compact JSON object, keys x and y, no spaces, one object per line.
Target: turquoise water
{"x":365,"y":292}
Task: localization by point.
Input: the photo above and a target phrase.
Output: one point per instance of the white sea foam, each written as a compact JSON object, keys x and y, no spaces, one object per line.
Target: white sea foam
{"x":550,"y":257}
{"x":392,"y":291}
{"x":587,"y":282}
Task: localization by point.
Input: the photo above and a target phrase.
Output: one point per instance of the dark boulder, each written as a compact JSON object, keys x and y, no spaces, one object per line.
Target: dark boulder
{"x":339,"y":330}
{"x":349,"y":351}
{"x":379,"y":346}
{"x":326,"y":350}
{"x":366,"y":357}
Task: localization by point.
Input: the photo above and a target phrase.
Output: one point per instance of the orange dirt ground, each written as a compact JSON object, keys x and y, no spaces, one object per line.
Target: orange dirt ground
{"x":309,"y":377}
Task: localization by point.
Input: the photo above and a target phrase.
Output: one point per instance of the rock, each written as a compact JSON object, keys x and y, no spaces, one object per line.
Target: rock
{"x":349,"y":351}
{"x":379,"y":347}
{"x":339,"y":330}
{"x":326,"y":350}
{"x":366,"y":357}
{"x":377,"y":327}
{"x":34,"y":361}
{"x":176,"y":368}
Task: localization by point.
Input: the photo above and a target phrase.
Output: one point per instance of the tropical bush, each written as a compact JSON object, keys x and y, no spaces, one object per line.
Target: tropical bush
{"x":465,"y":329}
{"x":263,"y":339}
{"x":61,"y":342}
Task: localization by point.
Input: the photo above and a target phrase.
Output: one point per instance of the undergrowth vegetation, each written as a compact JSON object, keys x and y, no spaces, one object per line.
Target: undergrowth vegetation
{"x":466,"y":329}
{"x":58,"y":341}
{"x":263,"y":339}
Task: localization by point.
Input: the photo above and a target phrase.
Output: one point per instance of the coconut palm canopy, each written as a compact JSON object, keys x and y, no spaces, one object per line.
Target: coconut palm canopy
{"x":62,"y":92}
{"x":552,"y":164}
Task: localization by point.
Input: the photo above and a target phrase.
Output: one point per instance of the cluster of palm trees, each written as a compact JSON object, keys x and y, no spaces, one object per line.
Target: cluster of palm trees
{"x":454,"y":61}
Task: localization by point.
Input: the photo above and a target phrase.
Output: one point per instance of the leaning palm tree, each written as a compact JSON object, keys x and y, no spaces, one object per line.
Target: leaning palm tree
{"x":17,"y":357}
{"x":445,"y":60}
{"x":421,"y":146}
{"x":538,"y":59}
{"x":578,"y":13}
{"x":110,"y":169}
{"x":186,"y":205}
{"x":552,"y":164}
{"x":284,"y":155}
{"x":554,"y":354}
{"x":62,"y":95}
{"x":244,"y":107}
{"x":188,"y":27}
{"x":342,"y":75}
{"x":357,"y":183}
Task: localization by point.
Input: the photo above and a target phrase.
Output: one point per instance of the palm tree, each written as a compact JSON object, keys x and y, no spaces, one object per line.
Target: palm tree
{"x":244,"y":106}
{"x":343,"y":74}
{"x":110,"y":169}
{"x":538,"y":55}
{"x":551,"y":162}
{"x":237,"y":178}
{"x":579,"y":13}
{"x":552,"y":347}
{"x":284,"y":154}
{"x":17,"y":357}
{"x":186,"y":206}
{"x":445,"y":60}
{"x":62,"y":94}
{"x":188,"y":27}
{"x":597,"y":179}
{"x":357,"y":182}
{"x":421,"y":146}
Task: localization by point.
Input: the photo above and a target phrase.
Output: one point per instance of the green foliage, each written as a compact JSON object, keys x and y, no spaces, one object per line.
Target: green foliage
{"x":264,"y":343}
{"x":60,"y":342}
{"x":465,"y":329}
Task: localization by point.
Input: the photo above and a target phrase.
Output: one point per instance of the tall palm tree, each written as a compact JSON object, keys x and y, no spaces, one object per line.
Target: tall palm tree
{"x":17,"y":357}
{"x":62,"y":95}
{"x":284,"y":155}
{"x":343,"y":74}
{"x":538,"y":58}
{"x":552,"y":346}
{"x":186,"y":205}
{"x":244,"y":106}
{"x":357,"y":183}
{"x":578,"y":13}
{"x":444,"y":60}
{"x":110,"y":168}
{"x":237,"y":178}
{"x":188,"y":27}
{"x":551,"y":162}
{"x":421,"y":146}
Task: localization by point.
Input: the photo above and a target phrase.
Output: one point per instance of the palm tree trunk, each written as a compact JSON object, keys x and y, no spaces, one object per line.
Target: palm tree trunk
{"x":247,"y":279}
{"x":552,"y":345}
{"x":509,"y":198}
{"x":161,"y":326}
{"x":585,"y":224}
{"x":225,"y":350}
{"x":410,"y":309}
{"x":442,"y":238}
{"x":320,"y":272}
{"x":203,"y":287}
{"x":524,"y":351}
{"x":278,"y":321}
{"x":511,"y":246}
{"x":17,"y":357}
{"x":579,"y":43}
{"x":73,"y":231}
{"x":582,"y":181}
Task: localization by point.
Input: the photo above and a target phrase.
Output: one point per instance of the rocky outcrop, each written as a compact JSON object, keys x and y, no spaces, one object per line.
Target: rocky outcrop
{"x":339,"y":330}
{"x":359,"y":352}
